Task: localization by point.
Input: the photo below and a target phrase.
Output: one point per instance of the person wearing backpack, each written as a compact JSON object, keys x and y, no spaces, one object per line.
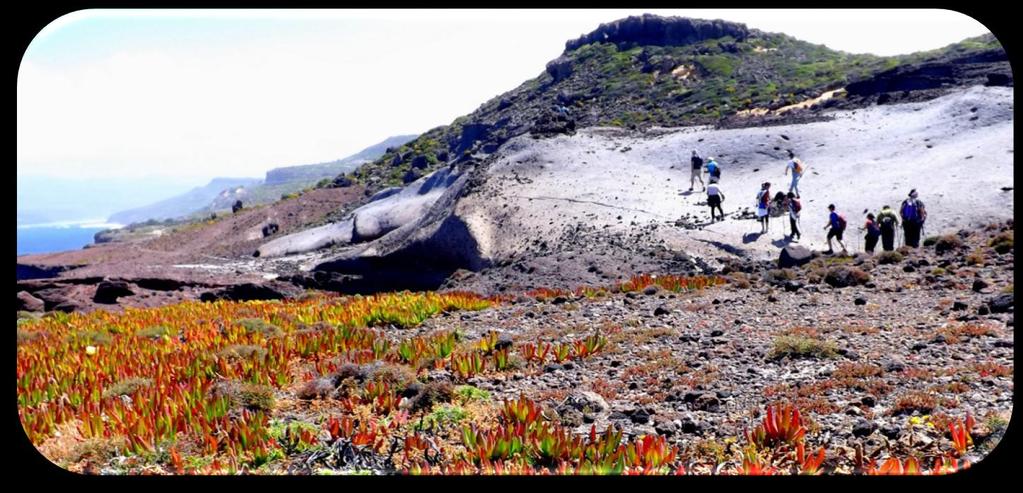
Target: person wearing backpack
{"x":797,"y":168}
{"x":873,"y":233}
{"x":837,"y":224}
{"x":697,"y":172}
{"x":714,"y":199}
{"x":794,"y":207}
{"x":913,"y":217}
{"x":713,"y":170}
{"x":764,"y":206}
{"x":887,"y":222}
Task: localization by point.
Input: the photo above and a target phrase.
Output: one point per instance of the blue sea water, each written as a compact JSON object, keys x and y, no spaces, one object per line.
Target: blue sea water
{"x":56,"y":238}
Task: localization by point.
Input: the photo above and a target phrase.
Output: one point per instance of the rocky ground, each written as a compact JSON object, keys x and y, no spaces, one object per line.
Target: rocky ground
{"x":926,"y":339}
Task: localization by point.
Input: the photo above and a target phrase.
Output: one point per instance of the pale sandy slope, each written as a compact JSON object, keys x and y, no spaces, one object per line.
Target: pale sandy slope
{"x":860,"y":160}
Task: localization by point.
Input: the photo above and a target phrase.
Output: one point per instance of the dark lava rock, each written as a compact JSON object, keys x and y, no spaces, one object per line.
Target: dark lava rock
{"x":959,"y":305}
{"x":919,"y":346}
{"x":560,"y":68}
{"x":909,"y":268}
{"x":863,"y":427}
{"x":1001,"y":303}
{"x":894,"y":366}
{"x":661,"y":311}
{"x":717,"y":332}
{"x":250,"y":292}
{"x":1006,"y":343}
{"x":793,"y":286}
{"x":665,"y":428}
{"x":107,"y":292}
{"x":617,"y":415}
{"x":860,"y":301}
{"x":559,"y":300}
{"x":983,"y":309}
{"x":651,"y":290}
{"x":891,"y":432}
{"x":979,"y":285}
{"x":688,"y":425}
{"x":869,"y":401}
{"x":552,"y":367}
{"x":641,"y":417}
{"x":503,"y":341}
{"x":708,"y":402}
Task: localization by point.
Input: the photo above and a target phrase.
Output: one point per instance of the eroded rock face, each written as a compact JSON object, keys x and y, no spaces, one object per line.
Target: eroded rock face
{"x":660,"y":31}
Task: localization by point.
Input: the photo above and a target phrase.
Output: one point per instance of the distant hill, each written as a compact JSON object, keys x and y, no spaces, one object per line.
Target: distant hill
{"x":220,"y":193}
{"x":315,"y":172}
{"x":649,"y":71}
{"x":183,"y":204}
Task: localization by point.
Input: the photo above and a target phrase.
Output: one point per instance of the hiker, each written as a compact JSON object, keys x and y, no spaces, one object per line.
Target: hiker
{"x":887,"y":221}
{"x":714,"y":199}
{"x":697,"y":173}
{"x":764,"y":206}
{"x":237,"y":206}
{"x":837,"y":224}
{"x":713,"y":170}
{"x":794,"y":207}
{"x":797,"y":168}
{"x":873,"y":233}
{"x":913,"y":217}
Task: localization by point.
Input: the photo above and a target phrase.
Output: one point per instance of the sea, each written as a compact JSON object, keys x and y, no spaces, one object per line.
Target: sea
{"x":59,"y":236}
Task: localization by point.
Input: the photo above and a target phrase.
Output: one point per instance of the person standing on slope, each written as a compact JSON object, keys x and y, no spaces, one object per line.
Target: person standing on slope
{"x":764,"y":206}
{"x":713,"y":170}
{"x":913,"y":217}
{"x":887,"y":221}
{"x":714,"y":199}
{"x":797,"y":168}
{"x":794,"y":207}
{"x":873,"y":233}
{"x":697,"y":171}
{"x":837,"y":224}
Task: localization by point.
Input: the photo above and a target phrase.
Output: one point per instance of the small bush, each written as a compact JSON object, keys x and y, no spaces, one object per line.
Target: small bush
{"x":469,"y":393}
{"x":256,"y":397}
{"x":156,"y":332}
{"x":243,"y":351}
{"x":447,"y":414}
{"x":930,"y":241}
{"x":915,"y":400}
{"x":1003,"y":243}
{"x":947,"y":243}
{"x":431,"y":394}
{"x":798,"y":346}
{"x":885,"y":258}
{"x":94,"y":338}
{"x":740,"y":280}
{"x":127,"y":387}
{"x":779,"y":276}
{"x":254,"y":325}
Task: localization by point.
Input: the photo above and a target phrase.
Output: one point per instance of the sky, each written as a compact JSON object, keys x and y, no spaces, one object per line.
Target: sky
{"x":190,"y":95}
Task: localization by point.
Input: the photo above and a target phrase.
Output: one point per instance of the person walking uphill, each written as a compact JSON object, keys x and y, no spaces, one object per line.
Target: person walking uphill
{"x":887,"y":221}
{"x":873,"y":233}
{"x":714,"y":199}
{"x":837,"y":224}
{"x":697,"y":173}
{"x":797,"y":168}
{"x":713,"y":170}
{"x":794,"y":208}
{"x":764,"y":206}
{"x":913,"y":217}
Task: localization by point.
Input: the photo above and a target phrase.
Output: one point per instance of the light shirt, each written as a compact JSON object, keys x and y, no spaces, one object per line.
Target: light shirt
{"x":712,"y":189}
{"x":792,"y":166}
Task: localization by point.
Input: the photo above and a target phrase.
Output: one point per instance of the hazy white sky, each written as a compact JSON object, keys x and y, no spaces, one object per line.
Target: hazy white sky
{"x":198,"y":94}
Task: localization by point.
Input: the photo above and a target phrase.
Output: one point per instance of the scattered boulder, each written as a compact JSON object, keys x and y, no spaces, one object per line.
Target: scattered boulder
{"x":1001,"y":303}
{"x":270,"y":229}
{"x":251,"y":292}
{"x":29,"y":303}
{"x":794,"y":256}
{"x":585,"y":401}
{"x":863,"y":427}
{"x":560,"y":68}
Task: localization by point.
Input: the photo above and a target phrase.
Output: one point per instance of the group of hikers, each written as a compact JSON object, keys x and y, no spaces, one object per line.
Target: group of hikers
{"x":882,"y":226}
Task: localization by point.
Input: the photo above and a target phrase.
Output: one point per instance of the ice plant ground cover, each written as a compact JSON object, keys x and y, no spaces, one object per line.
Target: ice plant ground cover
{"x":329,"y":384}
